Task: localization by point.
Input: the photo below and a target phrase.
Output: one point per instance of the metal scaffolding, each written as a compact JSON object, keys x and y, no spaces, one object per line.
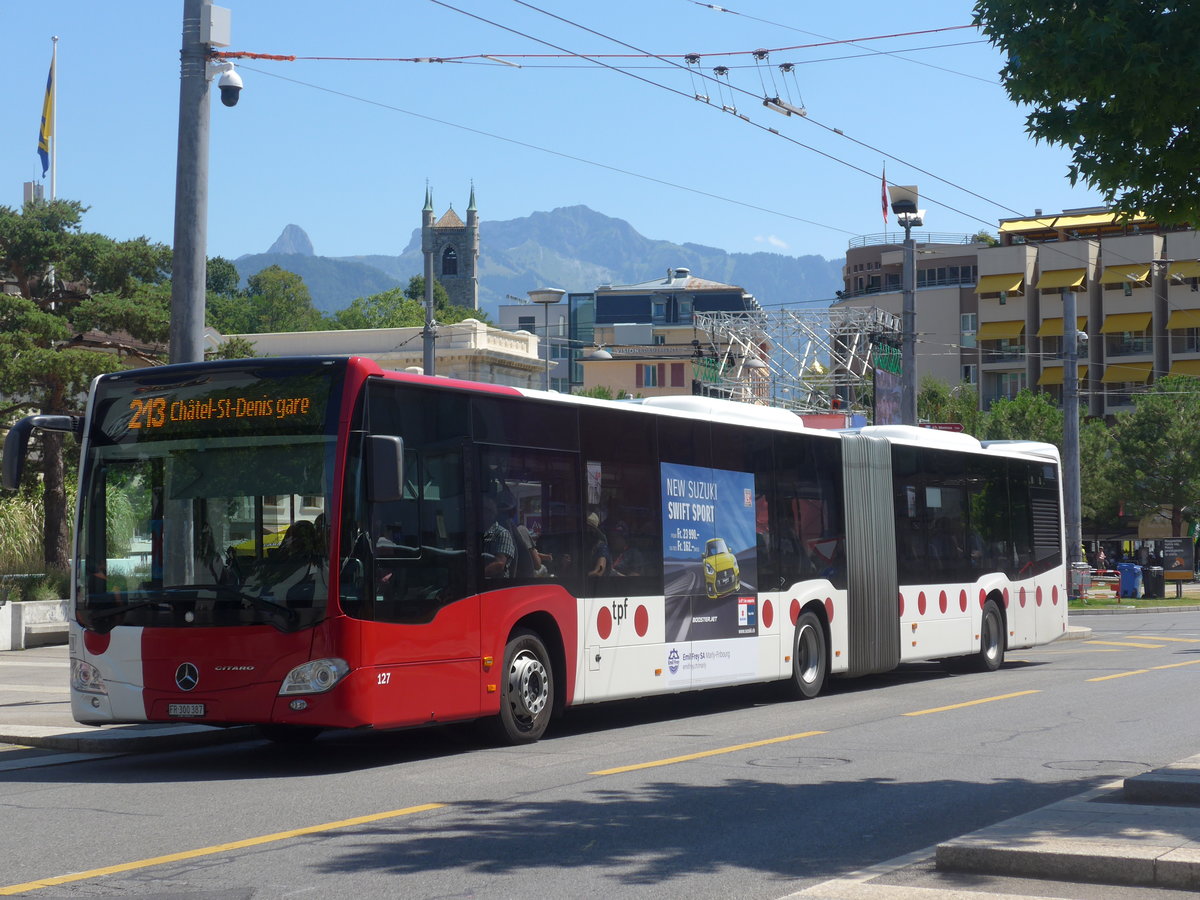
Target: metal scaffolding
{"x":816,"y":360}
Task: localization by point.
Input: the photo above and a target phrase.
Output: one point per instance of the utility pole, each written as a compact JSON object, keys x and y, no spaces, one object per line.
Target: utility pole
{"x":188,"y":267}
{"x":904,"y":205}
{"x":1071,"y":513}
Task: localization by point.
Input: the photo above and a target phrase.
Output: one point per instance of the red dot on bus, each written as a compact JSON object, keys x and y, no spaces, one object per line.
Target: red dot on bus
{"x":95,"y":642}
{"x":828,"y":609}
{"x":641,"y":621}
{"x":921,"y":603}
{"x":1054,"y":595}
{"x":962,"y":601}
{"x":942,"y":601}
{"x":795,"y":611}
{"x":604,"y":623}
{"x":768,"y":614}
{"x":1022,"y":597}
{"x":901,"y":598}
{"x":1006,"y":598}
{"x":982,"y":598}
{"x":1039,"y":595}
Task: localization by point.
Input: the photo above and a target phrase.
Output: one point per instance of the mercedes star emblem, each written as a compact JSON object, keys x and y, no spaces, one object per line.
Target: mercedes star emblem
{"x":187,"y":676}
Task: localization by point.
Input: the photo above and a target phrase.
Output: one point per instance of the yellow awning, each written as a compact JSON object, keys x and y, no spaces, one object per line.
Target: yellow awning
{"x":1034,"y":223}
{"x":1054,"y":327}
{"x":1125,"y":274}
{"x":1061,"y":278}
{"x":994,"y":284}
{"x":1183,"y":318}
{"x":1118,"y":323}
{"x":1186,"y":367}
{"x":1119,"y":373}
{"x":1186,"y":268}
{"x":1054,"y":375}
{"x":999,"y":331}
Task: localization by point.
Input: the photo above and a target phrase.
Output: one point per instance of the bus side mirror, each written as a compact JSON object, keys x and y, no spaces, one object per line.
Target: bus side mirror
{"x":16,"y":445}
{"x":385,"y":477}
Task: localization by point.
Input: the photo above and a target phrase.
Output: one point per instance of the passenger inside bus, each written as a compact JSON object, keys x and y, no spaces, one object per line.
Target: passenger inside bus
{"x":498,"y":547}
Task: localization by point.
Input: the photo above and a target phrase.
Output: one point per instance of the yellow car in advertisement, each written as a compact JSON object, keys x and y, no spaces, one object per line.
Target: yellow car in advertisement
{"x":721,"y":574}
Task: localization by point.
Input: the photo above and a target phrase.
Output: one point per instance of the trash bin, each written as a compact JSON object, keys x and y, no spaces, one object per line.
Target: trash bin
{"x":1081,"y":580}
{"x":1131,"y":579}
{"x":1154,"y":582}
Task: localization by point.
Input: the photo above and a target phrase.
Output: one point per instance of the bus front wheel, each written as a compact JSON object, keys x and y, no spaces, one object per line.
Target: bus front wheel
{"x":526,"y":689}
{"x":810,"y":658}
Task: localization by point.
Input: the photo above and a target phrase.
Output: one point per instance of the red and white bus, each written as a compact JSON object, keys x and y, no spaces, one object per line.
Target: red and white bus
{"x":315,"y":543}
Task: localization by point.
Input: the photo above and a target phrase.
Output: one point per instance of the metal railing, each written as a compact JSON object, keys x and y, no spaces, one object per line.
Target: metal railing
{"x":923,"y":237}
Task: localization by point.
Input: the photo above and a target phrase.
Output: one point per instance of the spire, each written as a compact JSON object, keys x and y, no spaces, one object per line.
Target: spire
{"x":471,"y":203}
{"x":428,"y":198}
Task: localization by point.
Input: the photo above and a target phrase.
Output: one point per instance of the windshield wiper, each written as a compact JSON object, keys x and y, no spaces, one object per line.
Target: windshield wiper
{"x":170,"y":595}
{"x":252,"y":600}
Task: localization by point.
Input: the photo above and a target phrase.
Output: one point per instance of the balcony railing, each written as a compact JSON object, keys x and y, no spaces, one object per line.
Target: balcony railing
{"x":922,"y":237}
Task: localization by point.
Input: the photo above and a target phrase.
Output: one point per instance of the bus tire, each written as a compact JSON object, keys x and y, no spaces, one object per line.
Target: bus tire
{"x":990,"y":655}
{"x":810,"y":658}
{"x":289,"y":734}
{"x":526,"y":689}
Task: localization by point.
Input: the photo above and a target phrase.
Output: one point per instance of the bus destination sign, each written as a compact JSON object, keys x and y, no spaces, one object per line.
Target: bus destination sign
{"x":258,"y":400}
{"x":156,"y":412}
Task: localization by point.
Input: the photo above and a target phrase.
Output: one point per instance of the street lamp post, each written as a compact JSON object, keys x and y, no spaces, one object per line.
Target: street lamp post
{"x":1071,"y":479}
{"x":904,"y":205}
{"x":546,"y":296}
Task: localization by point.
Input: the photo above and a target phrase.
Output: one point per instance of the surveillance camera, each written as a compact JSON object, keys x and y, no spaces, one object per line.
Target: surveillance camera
{"x":230,"y":85}
{"x":1081,"y":337}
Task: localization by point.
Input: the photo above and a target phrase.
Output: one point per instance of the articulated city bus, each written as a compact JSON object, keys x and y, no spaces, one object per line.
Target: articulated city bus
{"x":312,"y":543}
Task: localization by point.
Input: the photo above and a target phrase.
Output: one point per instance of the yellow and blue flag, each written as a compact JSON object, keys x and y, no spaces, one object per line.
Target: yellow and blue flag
{"x":46,"y":132}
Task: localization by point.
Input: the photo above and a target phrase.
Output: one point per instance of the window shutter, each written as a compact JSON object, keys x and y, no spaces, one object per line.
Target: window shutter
{"x":638,"y":368}
{"x":676,"y":374}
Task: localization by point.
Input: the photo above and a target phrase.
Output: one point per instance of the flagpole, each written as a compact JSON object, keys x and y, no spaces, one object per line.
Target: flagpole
{"x":54,"y":118}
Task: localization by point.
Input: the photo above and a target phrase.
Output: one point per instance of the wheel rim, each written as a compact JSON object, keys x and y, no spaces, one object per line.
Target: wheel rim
{"x":991,"y":636}
{"x":808,"y":655}
{"x":528,"y":685}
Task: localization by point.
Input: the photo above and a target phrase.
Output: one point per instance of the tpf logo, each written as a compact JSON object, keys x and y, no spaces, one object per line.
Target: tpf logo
{"x":673,"y":661}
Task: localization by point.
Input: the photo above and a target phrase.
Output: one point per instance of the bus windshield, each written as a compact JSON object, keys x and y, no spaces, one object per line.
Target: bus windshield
{"x":206,"y":499}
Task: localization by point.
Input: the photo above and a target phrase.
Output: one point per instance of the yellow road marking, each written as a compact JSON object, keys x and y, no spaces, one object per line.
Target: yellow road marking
{"x":1120,"y":675}
{"x":1190,"y":662}
{"x":925,"y":712}
{"x":705,"y":753}
{"x":210,"y":851}
{"x":1127,"y":644}
{"x":1146,"y":637}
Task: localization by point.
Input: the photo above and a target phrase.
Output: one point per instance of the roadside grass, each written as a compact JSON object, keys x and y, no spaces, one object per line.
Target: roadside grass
{"x":1103,"y":599}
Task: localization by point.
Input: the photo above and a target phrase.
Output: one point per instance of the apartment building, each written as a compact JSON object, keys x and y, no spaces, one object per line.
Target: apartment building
{"x":999,"y":325}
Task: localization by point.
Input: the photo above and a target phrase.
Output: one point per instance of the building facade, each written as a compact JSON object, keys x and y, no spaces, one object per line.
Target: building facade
{"x":992,"y":316}
{"x":649,"y":341}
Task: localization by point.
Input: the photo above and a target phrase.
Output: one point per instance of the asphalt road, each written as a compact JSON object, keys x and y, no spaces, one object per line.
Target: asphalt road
{"x":724,"y":794}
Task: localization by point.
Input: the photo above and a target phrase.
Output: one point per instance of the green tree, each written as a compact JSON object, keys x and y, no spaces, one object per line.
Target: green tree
{"x":391,"y":309}
{"x":233,"y":348}
{"x":1114,"y":82}
{"x":221,"y":276}
{"x":68,"y":281}
{"x":938,"y":402}
{"x":275,"y":300}
{"x":1100,"y":485}
{"x":1158,"y":464}
{"x":1026,"y":417}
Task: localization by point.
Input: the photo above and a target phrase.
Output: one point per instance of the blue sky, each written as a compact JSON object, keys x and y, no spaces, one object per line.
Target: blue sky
{"x":344,"y":149}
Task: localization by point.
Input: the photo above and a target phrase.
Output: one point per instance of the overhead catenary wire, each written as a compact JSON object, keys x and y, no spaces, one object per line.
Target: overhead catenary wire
{"x":542,"y":149}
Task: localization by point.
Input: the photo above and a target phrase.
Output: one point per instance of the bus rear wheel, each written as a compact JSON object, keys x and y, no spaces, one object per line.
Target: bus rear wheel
{"x":526,"y":689}
{"x":990,"y":655}
{"x":810,"y":658}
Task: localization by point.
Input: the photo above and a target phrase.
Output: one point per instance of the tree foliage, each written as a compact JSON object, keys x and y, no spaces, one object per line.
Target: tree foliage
{"x":938,"y":402}
{"x":1156,"y":450}
{"x":1026,"y":417}
{"x":1115,"y":82}
{"x":68,"y":282}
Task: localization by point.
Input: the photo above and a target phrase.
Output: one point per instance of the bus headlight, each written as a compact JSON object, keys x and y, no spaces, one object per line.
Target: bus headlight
{"x":86,"y":678}
{"x":314,"y":677}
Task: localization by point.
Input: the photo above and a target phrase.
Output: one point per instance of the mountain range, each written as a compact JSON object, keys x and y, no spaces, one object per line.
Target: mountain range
{"x":573,"y":247}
